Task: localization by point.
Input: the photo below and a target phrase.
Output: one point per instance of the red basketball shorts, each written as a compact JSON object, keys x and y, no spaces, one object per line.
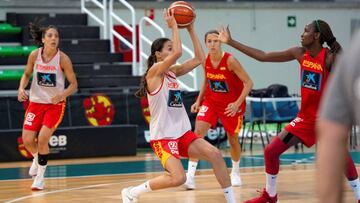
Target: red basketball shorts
{"x":178,"y":147}
{"x":304,"y":129}
{"x":49,"y":115}
{"x":212,"y":113}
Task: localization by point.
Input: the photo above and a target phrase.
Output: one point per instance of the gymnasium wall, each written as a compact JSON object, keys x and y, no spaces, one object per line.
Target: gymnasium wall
{"x":262,"y":25}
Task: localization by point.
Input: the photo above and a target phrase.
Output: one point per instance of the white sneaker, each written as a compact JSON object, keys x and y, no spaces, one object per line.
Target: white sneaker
{"x":38,"y":183}
{"x":33,"y":168}
{"x":126,"y":197}
{"x":235,"y":179}
{"x":190,"y":182}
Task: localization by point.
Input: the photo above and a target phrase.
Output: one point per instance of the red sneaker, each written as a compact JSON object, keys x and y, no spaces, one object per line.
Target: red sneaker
{"x":263,"y":198}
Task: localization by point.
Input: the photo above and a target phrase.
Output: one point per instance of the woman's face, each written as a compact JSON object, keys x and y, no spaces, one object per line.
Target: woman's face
{"x":165,"y":51}
{"x":309,"y":36}
{"x":51,"y":38}
{"x":212,"y":43}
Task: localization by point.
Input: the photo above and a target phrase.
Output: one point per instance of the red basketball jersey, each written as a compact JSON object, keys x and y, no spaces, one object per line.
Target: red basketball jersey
{"x":223,"y":86}
{"x":314,"y":76}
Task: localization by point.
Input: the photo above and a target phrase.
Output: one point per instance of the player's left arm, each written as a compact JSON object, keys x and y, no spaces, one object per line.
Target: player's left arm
{"x":66,"y":65}
{"x":192,"y":63}
{"x":235,"y":66}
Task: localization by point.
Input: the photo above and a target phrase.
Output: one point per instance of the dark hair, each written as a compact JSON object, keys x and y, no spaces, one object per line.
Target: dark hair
{"x":210,"y":32}
{"x":37,"y":32}
{"x":157,"y":45}
{"x":326,"y":35}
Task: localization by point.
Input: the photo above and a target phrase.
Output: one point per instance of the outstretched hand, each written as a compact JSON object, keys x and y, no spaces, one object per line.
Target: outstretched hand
{"x":224,"y":34}
{"x":169,"y":18}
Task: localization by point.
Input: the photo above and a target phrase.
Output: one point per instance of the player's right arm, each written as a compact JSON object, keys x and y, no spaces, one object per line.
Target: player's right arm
{"x":26,"y":76}
{"x":155,"y":74}
{"x":276,"y":56}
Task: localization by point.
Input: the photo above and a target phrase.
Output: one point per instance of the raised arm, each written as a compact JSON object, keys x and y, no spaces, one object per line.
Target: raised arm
{"x":67,"y":67}
{"x":26,"y":76}
{"x":193,"y":62}
{"x":161,"y":67}
{"x":276,"y":56}
{"x":235,"y":66}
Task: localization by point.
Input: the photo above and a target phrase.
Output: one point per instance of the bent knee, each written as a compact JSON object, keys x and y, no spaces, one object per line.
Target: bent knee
{"x":178,"y":180}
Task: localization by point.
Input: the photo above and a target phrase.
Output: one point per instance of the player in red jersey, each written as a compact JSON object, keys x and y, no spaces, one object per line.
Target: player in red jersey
{"x":49,"y":67}
{"x":222,"y":96}
{"x":315,"y":63}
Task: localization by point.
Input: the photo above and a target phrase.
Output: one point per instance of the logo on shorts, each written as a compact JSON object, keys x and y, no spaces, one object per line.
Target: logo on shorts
{"x":296,"y":120}
{"x":99,"y":110}
{"x":203,"y":110}
{"x":29,"y":119}
{"x":173,"y":146}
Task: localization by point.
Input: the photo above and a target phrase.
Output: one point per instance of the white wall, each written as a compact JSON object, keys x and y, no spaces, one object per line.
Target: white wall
{"x":261,"y":25}
{"x":267,"y":29}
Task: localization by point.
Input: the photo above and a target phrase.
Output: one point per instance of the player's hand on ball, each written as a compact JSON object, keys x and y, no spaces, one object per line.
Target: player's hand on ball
{"x":169,"y":18}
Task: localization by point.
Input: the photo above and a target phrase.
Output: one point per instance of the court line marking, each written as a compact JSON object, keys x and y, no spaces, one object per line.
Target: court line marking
{"x":66,"y":190}
{"x":142,"y":180}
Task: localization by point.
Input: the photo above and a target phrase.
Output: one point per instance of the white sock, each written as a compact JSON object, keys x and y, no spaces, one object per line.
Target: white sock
{"x":235,"y":166}
{"x":229,"y":195}
{"x":41,"y":170}
{"x":271,"y":184}
{"x":140,"y":189}
{"x":35,"y":155}
{"x":192,"y":168}
{"x":355,"y":186}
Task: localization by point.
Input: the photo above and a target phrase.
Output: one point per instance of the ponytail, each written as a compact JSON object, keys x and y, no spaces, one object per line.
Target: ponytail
{"x":157,"y":45}
{"x":327,"y":36}
{"x":37,"y":32}
{"x":143,"y":84}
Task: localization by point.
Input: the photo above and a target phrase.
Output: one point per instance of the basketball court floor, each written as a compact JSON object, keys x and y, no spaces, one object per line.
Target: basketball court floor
{"x":101,"y":180}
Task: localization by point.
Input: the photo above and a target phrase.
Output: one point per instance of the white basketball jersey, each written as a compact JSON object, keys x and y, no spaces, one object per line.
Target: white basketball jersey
{"x":48,"y":79}
{"x":169,"y":119}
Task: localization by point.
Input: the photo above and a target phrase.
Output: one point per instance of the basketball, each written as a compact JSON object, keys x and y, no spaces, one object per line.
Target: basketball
{"x":184,"y":13}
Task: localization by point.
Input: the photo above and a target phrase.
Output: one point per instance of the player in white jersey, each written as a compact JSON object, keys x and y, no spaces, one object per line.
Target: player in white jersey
{"x":49,"y":67}
{"x":170,"y":129}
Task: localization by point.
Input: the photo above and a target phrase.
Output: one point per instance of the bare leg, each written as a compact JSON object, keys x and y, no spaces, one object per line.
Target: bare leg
{"x":201,"y":128}
{"x":201,"y":149}
{"x":234,"y":146}
{"x":174,"y":175}
{"x":43,"y":139}
{"x":29,"y":139}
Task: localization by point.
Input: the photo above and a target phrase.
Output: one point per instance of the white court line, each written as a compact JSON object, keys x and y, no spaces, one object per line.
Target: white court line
{"x":141,"y":180}
{"x":66,"y":190}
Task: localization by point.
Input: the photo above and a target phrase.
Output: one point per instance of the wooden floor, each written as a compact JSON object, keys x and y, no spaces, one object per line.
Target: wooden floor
{"x":296,"y":184}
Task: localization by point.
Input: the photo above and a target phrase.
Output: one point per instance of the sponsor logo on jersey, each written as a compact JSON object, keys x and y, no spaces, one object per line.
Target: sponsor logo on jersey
{"x":218,"y":86}
{"x":173,"y":85}
{"x":46,"y":79}
{"x":175,"y":98}
{"x":222,"y":68}
{"x":311,"y":80}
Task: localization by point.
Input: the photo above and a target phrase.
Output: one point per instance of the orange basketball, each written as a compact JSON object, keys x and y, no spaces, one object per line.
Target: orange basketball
{"x":184,"y":13}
